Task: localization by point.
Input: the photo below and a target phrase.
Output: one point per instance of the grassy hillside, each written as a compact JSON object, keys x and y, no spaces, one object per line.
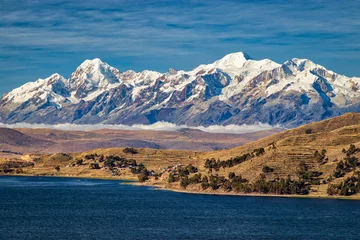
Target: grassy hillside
{"x":283,"y":153}
{"x":315,"y":160}
{"x":46,"y":164}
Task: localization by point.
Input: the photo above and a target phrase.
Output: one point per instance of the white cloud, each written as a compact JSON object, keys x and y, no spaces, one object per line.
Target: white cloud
{"x":158,"y":126}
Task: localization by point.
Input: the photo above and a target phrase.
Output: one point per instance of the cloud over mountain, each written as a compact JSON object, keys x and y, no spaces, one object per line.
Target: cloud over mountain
{"x":158,"y":126}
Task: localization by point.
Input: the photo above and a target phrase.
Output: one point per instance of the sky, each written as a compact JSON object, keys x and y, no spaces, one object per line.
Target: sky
{"x":39,"y":38}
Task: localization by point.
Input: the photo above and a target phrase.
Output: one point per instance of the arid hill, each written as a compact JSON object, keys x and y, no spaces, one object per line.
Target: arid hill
{"x":53,"y":141}
{"x":319,"y":145}
{"x":14,"y":138}
{"x":316,"y":160}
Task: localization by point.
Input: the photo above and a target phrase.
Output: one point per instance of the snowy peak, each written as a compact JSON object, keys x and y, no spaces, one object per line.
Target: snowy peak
{"x":232,"y":90}
{"x":301,"y":65}
{"x":92,"y":75}
{"x":235,"y":60}
{"x":93,"y":62}
{"x":55,"y":79}
{"x":95,"y":71}
{"x":53,"y":84}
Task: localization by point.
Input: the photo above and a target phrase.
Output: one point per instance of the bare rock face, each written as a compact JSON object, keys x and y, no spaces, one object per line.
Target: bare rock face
{"x":233,"y":90}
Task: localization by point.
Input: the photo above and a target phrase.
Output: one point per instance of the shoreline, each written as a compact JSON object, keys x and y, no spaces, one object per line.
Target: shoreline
{"x":67,"y":176}
{"x":164,"y":188}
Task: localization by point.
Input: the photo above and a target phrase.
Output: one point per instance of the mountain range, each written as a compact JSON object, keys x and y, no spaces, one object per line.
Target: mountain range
{"x":235,"y":89}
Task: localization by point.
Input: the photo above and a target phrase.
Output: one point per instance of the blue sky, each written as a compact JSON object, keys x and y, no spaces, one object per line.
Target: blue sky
{"x":39,"y":38}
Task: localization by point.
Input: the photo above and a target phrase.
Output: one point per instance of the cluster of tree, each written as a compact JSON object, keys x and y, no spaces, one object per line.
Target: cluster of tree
{"x":108,"y":161}
{"x":95,"y":157}
{"x":92,"y":156}
{"x":307,"y":176}
{"x":348,"y":164}
{"x":352,"y":150}
{"x":234,"y":182}
{"x":261,"y":185}
{"x":11,"y":166}
{"x":142,"y":177}
{"x":186,"y":180}
{"x":113,"y":162}
{"x":16,"y":164}
{"x":280,"y":186}
{"x":6,"y":169}
{"x":141,"y":172}
{"x":94,"y":165}
{"x":259,"y":151}
{"x":182,"y":173}
{"x":348,"y":187}
{"x":216,"y":164}
{"x":138,"y":169}
{"x":79,"y":162}
{"x":321,"y":157}
{"x":116,"y":161}
{"x":130,"y":150}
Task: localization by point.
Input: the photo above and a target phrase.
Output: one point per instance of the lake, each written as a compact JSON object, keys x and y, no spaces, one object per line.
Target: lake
{"x":70,"y":208}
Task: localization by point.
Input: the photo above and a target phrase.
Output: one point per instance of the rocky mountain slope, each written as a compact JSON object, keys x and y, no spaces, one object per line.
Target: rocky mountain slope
{"x":233,"y":90}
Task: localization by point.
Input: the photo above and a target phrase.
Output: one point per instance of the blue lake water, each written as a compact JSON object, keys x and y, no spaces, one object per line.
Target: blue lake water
{"x":69,"y":208}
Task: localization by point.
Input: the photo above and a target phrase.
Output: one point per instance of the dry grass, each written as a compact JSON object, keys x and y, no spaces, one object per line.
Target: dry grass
{"x":292,"y":147}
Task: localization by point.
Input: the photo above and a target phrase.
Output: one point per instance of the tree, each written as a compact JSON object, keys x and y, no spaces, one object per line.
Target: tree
{"x":184,"y":182}
{"x":171,"y":178}
{"x":259,"y":151}
{"x":231,"y":175}
{"x":94,"y":166}
{"x":143,"y":177}
{"x":303,"y":171}
{"x":130,"y":150}
{"x":227,"y":186}
{"x":323,"y":152}
{"x":191,"y":169}
{"x":267,"y":169}
{"x":308,"y":131}
{"x":204,"y":183}
{"x":109,"y":163}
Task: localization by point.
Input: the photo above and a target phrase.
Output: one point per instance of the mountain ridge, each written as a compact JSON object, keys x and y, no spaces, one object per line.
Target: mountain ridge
{"x":235,"y":89}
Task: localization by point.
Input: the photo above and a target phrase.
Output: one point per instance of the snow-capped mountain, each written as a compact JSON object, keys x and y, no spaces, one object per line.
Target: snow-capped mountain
{"x":233,"y":90}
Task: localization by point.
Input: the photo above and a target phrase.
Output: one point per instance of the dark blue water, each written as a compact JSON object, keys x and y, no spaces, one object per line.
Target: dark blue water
{"x":68,"y":208}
